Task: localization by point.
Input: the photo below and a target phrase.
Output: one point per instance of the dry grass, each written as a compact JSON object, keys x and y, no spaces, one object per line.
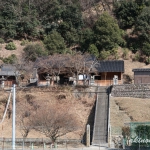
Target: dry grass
{"x":80,"y":107}
{"x":18,"y":52}
{"x":137,"y":109}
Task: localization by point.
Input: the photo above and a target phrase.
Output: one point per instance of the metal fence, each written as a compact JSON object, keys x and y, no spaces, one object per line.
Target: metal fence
{"x":45,"y":144}
{"x":39,"y":144}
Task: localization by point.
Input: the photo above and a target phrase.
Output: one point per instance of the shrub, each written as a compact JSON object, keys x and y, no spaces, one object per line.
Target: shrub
{"x":125,"y":53}
{"x":3,"y":101}
{"x":1,"y":41}
{"x":33,"y":51}
{"x":93,"y":50}
{"x":137,"y":57}
{"x":24,"y":42}
{"x":147,"y":61}
{"x":114,"y":53}
{"x":10,"y":60}
{"x":104,"y":54}
{"x":10,"y":46}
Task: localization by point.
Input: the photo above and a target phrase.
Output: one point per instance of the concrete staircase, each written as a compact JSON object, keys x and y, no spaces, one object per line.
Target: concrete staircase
{"x":101,"y":118}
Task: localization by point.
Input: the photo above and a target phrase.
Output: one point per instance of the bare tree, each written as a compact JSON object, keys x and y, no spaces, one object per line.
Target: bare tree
{"x":76,"y":65}
{"x":72,"y":65}
{"x":24,"y":70}
{"x":81,"y":64}
{"x":126,"y":133}
{"x":23,"y":119}
{"x":54,"y":121}
{"x":24,"y":125}
{"x":26,"y":108}
{"x":53,"y":65}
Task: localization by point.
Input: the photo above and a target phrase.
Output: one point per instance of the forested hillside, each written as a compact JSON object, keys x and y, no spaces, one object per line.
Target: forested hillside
{"x":66,"y":26}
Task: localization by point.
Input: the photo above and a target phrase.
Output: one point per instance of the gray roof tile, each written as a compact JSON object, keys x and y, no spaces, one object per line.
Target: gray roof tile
{"x":141,"y":69}
{"x":110,"y":66}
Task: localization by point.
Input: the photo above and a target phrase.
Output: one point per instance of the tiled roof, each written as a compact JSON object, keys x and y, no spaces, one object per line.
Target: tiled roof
{"x":7,"y":67}
{"x":110,"y":66}
{"x":141,"y":69}
{"x":8,"y":73}
{"x":8,"y":70}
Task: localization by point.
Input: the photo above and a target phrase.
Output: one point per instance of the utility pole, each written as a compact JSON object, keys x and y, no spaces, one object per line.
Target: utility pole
{"x":14,"y":117}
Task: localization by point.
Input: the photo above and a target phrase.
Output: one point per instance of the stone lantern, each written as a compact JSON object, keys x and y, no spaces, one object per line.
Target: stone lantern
{"x":48,"y":80}
{"x":2,"y":81}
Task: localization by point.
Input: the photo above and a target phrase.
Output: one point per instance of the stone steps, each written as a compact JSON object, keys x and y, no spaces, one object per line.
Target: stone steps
{"x":101,"y":118}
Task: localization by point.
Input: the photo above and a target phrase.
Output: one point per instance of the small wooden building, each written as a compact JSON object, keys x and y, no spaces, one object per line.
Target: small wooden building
{"x":141,"y":75}
{"x":107,"y":71}
{"x":8,"y":75}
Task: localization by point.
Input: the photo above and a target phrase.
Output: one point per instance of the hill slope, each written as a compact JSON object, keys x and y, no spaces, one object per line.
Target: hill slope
{"x":81,"y":107}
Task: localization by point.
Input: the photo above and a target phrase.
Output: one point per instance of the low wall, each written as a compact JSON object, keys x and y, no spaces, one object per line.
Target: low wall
{"x":131,"y":90}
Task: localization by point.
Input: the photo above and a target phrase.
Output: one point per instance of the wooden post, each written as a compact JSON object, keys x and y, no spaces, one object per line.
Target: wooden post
{"x":88,"y":135}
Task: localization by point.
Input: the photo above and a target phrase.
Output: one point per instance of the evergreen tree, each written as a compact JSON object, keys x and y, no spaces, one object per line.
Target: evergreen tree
{"x":108,"y":35}
{"x":7,"y":21}
{"x":93,"y":50}
{"x":142,"y":26}
{"x":127,"y":12}
{"x":54,"y":43}
{"x":27,"y":23}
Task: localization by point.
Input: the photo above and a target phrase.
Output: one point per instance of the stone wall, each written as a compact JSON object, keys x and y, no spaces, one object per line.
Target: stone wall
{"x":131,"y":90}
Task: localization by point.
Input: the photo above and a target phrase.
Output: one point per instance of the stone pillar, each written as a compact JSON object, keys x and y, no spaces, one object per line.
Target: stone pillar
{"x":48,"y":80}
{"x":88,"y":135}
{"x":123,"y":143}
{"x":2,"y":82}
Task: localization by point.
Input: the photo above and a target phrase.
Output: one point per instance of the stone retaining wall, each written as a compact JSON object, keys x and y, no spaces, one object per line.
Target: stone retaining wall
{"x":131,"y":90}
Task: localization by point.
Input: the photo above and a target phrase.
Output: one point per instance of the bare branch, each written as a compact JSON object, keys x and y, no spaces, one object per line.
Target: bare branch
{"x":55,"y":120}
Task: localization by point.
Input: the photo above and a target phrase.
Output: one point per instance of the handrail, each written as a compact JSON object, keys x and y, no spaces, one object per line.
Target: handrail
{"x":95,"y":114}
{"x":108,"y":130}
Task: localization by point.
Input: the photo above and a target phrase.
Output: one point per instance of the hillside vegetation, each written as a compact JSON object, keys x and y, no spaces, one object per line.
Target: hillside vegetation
{"x":58,"y":26}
